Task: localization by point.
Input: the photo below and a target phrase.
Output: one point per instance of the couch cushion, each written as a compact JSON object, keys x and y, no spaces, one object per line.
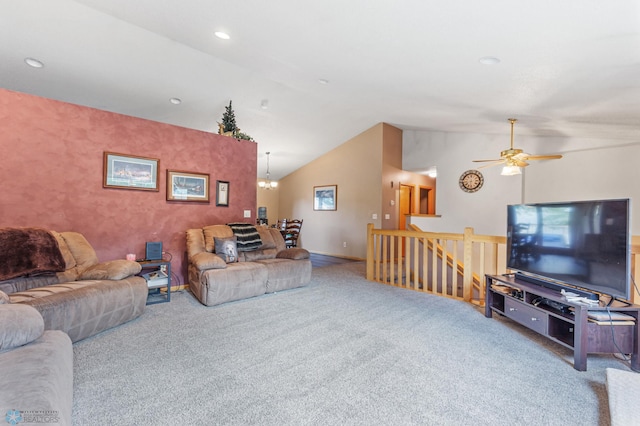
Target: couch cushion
{"x":247,"y":236}
{"x":84,"y":308}
{"x":266,"y":238}
{"x":111,"y":270}
{"x":227,"y":249}
{"x":4,"y":298}
{"x":19,"y":325}
{"x":82,"y":251}
{"x":215,"y":231}
{"x":39,"y":376}
{"x":293,"y":253}
{"x":260,"y":254}
{"x":195,"y":242}
{"x":238,"y":281}
{"x":69,"y":260}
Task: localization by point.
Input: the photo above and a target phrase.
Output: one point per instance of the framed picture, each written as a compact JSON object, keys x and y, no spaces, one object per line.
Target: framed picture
{"x":187,"y":186}
{"x":130,"y":172}
{"x":222,"y":193}
{"x":325,"y":197}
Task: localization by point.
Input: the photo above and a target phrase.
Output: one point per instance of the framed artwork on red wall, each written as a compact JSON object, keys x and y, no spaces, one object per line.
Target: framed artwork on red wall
{"x":126,"y":171}
{"x":187,"y":186}
{"x":222,"y":193}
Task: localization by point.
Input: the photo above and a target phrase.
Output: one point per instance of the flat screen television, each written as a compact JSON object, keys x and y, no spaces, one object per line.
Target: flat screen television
{"x":580,"y":244}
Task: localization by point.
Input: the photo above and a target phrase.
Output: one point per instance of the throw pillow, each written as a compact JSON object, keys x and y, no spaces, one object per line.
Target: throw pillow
{"x":247,"y":236}
{"x":19,"y":324}
{"x":227,"y":249}
{"x":113,"y":270}
{"x":293,"y":253}
{"x":4,"y":298}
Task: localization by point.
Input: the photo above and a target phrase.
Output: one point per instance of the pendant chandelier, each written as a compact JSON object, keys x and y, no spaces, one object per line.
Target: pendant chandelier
{"x":267,"y":183}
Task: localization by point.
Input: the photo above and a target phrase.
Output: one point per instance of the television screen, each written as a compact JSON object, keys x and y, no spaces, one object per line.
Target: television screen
{"x":585,"y":244}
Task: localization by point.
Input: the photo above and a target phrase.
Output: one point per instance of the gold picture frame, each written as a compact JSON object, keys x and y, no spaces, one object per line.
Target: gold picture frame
{"x":325,"y":198}
{"x":126,"y":171}
{"x":187,"y":186}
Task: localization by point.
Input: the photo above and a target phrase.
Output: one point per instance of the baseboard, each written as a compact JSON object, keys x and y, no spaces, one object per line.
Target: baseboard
{"x":337,"y":255}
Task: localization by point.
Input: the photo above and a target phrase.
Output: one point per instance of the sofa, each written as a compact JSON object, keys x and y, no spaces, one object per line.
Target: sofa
{"x":237,"y":261}
{"x":36,"y":367}
{"x":58,"y":274}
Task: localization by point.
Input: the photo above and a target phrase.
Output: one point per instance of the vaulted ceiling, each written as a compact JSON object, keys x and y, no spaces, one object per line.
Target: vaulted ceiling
{"x":306,"y":76}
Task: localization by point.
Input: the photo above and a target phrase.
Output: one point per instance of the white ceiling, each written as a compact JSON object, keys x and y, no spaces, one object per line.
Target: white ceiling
{"x":567,"y":68}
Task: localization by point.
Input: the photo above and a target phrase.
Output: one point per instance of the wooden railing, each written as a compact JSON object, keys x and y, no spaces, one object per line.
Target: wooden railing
{"x":450,"y":265}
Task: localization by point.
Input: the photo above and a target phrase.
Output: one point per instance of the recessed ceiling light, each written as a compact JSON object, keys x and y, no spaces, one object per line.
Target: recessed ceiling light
{"x":175,"y":101}
{"x":222,"y":35}
{"x":33,"y":63}
{"x":323,"y":81}
{"x":489,"y":60}
{"x":264,"y":104}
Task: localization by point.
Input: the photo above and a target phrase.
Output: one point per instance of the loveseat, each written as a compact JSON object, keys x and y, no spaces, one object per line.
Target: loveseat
{"x":259,"y":264}
{"x":36,"y":368}
{"x":60,"y":276}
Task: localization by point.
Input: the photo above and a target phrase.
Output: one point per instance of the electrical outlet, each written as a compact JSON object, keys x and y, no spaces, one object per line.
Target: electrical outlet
{"x":374,"y":216}
{"x":387,"y":216}
{"x":247,"y":213}
{"x":344,"y":244}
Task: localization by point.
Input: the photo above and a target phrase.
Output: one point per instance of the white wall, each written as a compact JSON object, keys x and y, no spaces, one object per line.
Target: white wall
{"x":590,"y":169}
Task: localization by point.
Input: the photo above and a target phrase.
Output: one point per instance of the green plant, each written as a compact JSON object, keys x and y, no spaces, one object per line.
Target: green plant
{"x":228,"y":126}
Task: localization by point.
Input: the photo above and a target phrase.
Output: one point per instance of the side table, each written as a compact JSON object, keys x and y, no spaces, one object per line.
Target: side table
{"x":158,"y":276}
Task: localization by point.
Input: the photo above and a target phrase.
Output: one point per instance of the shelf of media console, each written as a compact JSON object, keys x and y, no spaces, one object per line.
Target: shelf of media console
{"x":568,"y":323}
{"x":157,"y":273}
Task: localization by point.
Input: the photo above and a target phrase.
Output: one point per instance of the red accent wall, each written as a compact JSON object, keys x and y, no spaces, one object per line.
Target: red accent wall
{"x":51,"y":176}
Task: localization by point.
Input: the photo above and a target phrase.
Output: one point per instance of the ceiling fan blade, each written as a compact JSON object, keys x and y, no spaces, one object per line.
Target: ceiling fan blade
{"x":484,"y":161}
{"x":520,"y":163}
{"x":542,"y":157}
{"x":495,"y":163}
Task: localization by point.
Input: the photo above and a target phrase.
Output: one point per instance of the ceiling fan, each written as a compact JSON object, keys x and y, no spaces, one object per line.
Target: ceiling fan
{"x":514,"y":158}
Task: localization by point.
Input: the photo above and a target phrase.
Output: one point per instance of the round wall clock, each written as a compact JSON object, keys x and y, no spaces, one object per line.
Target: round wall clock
{"x":471,"y":181}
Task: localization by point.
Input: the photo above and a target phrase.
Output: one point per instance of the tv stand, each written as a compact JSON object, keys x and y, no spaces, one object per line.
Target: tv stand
{"x":561,"y":321}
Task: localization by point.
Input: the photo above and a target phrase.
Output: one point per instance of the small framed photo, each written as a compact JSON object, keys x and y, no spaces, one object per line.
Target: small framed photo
{"x":187,"y":186}
{"x":222,"y":193}
{"x":126,"y":171}
{"x":325,"y":197}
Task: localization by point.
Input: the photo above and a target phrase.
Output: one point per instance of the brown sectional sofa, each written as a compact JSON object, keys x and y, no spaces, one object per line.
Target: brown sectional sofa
{"x":36,"y":368}
{"x":54,"y":291}
{"x":266,"y":268}
{"x":87,"y":297}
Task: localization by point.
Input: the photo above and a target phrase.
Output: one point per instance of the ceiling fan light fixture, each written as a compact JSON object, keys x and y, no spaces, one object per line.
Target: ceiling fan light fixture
{"x":511,"y":170}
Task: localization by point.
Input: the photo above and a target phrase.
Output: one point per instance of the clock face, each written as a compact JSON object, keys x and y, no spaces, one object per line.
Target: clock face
{"x":471,"y":181}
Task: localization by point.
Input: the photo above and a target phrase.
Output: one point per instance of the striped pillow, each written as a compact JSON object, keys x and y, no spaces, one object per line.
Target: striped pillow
{"x":247,"y":236}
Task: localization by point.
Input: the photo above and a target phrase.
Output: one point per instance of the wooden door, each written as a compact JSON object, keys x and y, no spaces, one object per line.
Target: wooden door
{"x":405,"y":208}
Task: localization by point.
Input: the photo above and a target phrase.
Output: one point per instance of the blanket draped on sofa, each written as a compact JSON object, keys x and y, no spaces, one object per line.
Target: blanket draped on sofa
{"x":25,"y":251}
{"x":247,"y":236}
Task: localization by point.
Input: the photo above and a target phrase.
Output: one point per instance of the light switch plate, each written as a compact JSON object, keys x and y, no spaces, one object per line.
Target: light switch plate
{"x":247,"y":213}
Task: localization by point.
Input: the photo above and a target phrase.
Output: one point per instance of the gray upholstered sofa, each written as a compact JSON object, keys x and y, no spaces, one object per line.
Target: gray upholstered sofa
{"x":64,"y":281}
{"x":36,"y":368}
{"x":262,"y":263}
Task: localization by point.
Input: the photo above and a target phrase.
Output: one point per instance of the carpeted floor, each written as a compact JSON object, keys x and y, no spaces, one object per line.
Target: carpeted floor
{"x":341,"y":351}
